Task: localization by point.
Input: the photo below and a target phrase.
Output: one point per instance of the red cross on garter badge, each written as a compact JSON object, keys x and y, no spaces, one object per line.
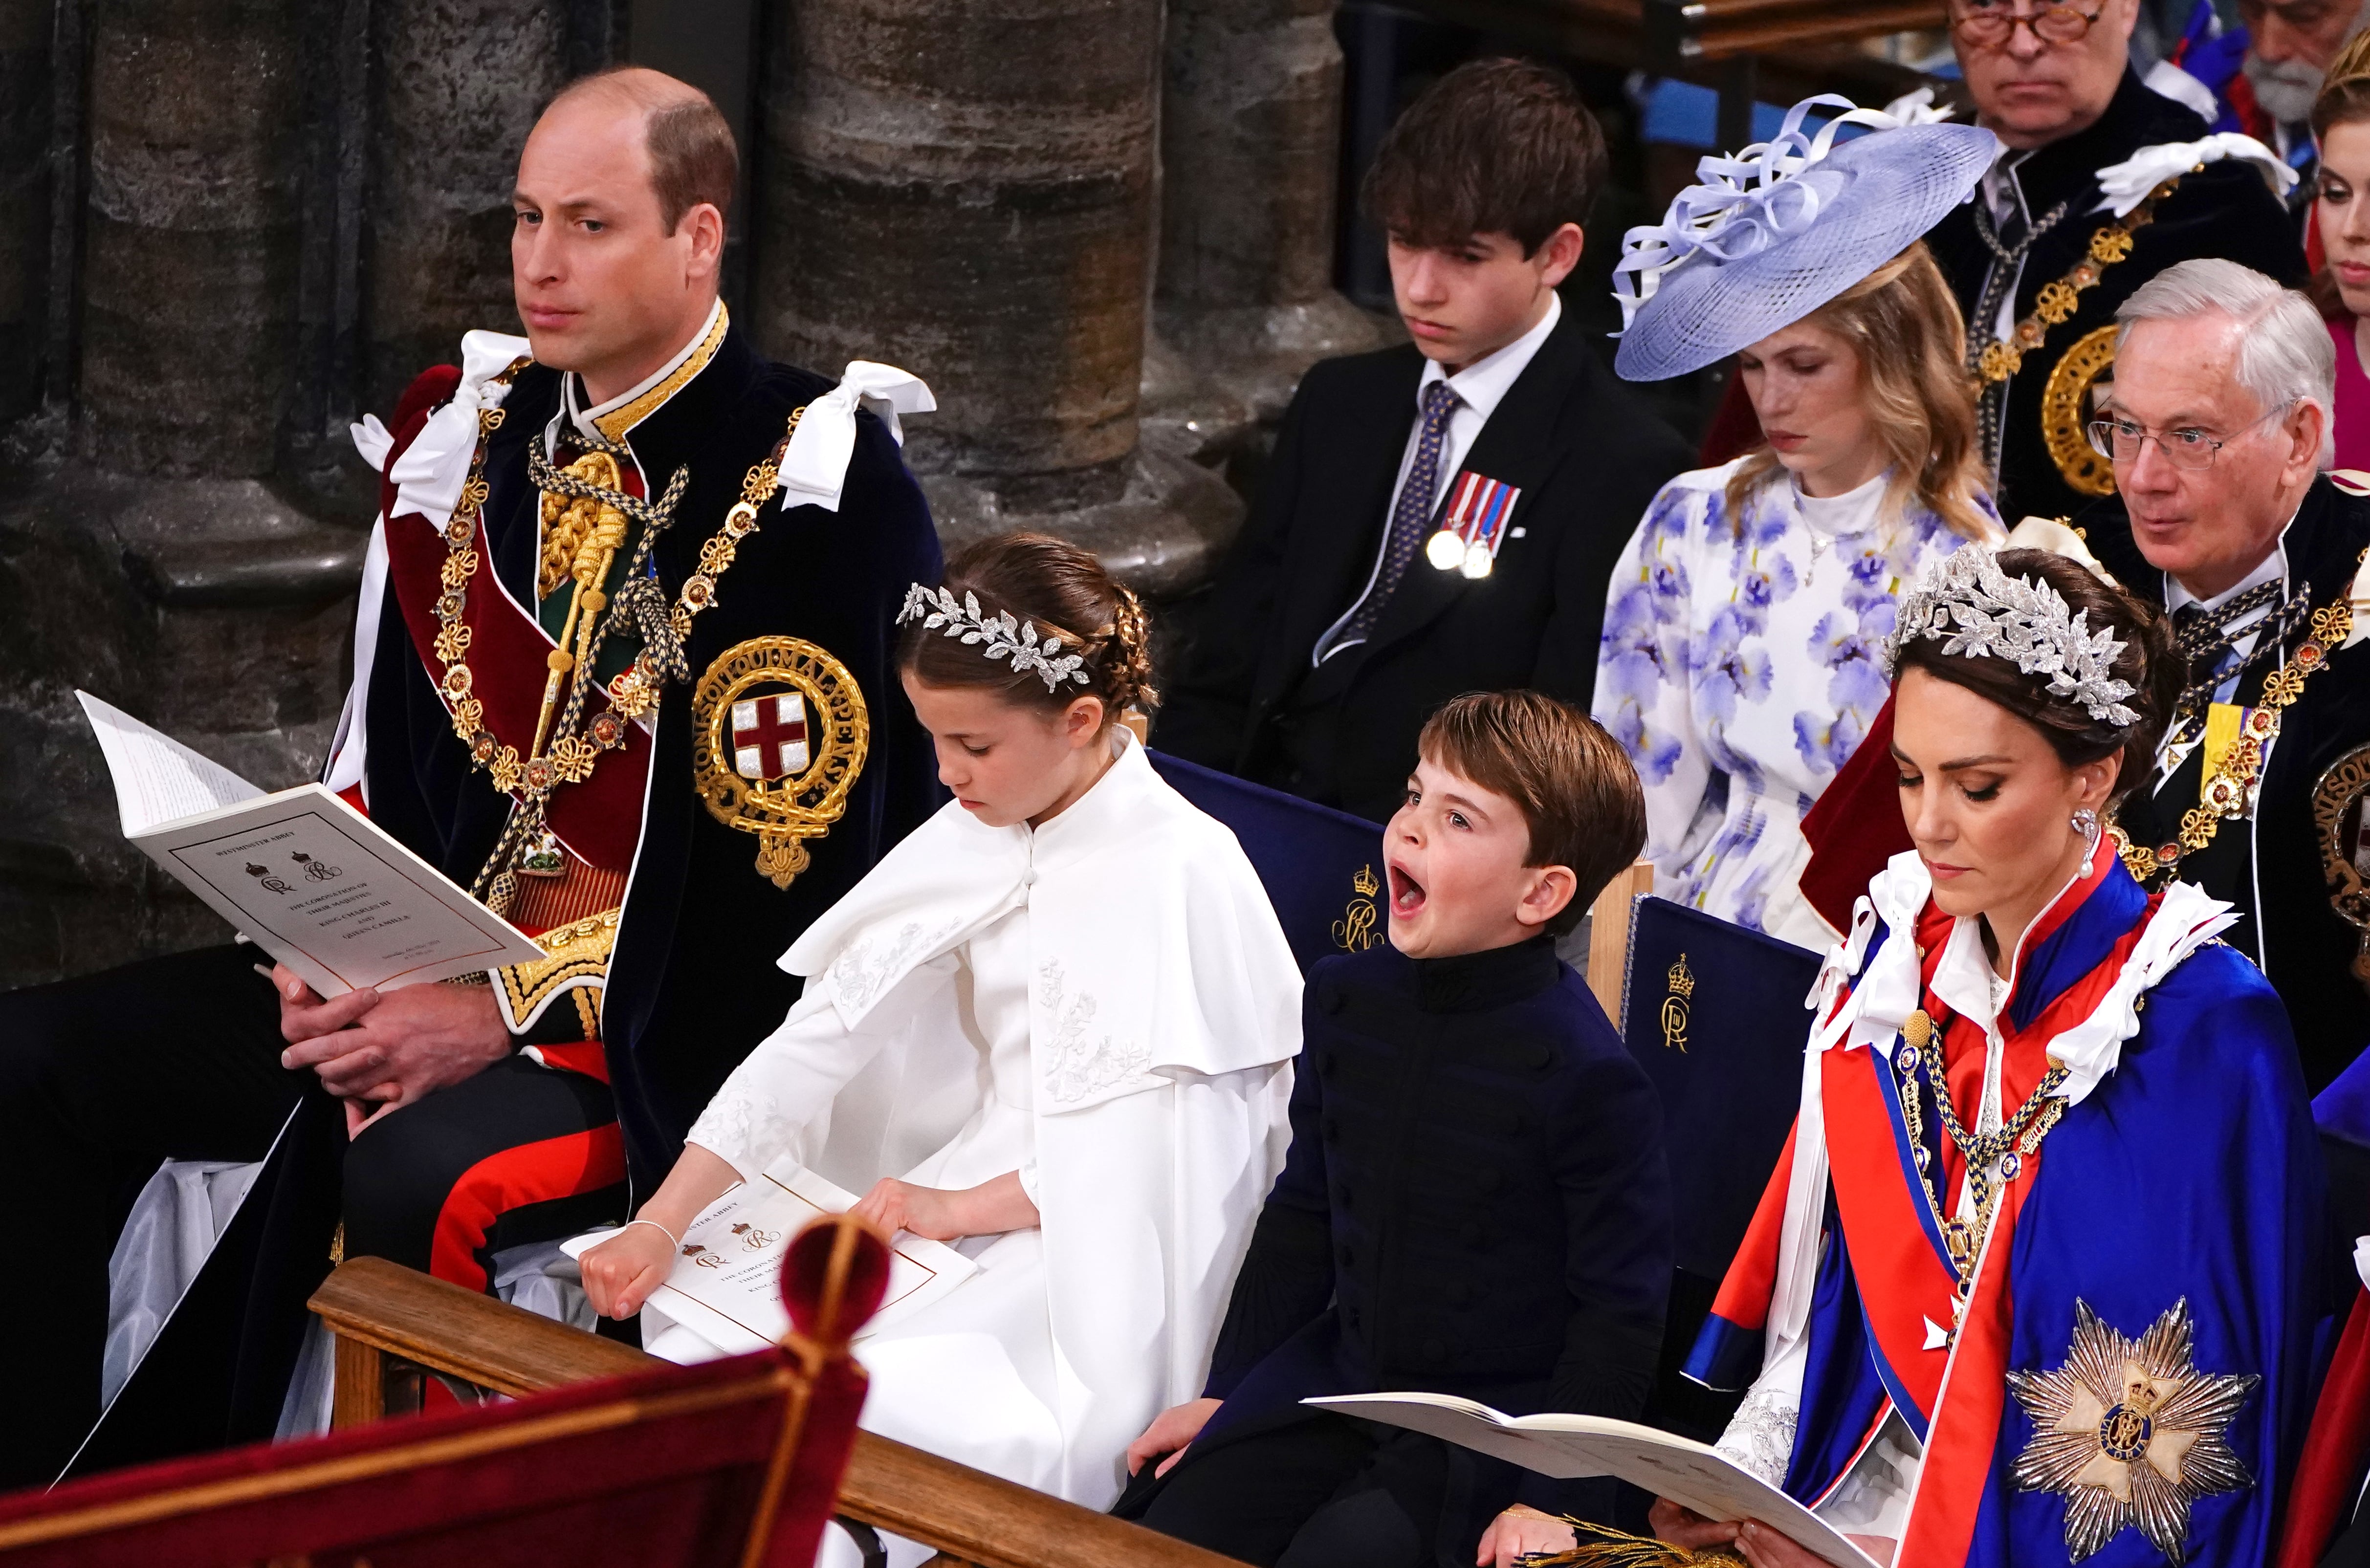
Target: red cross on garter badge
{"x":780,"y":735}
{"x":769,"y":736}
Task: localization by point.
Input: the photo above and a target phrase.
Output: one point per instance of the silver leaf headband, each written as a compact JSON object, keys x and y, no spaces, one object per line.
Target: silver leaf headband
{"x":2028,"y":623}
{"x":1002,"y":637}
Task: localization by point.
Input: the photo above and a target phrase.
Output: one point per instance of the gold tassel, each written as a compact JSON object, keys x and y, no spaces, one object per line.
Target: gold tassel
{"x":1612,"y":1549}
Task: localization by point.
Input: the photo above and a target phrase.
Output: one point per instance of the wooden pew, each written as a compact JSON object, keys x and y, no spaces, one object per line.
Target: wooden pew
{"x":1609,"y":934}
{"x":394,"y":1325}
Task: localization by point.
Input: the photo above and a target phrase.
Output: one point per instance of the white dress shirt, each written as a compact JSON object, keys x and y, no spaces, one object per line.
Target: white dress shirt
{"x":1479,"y":387}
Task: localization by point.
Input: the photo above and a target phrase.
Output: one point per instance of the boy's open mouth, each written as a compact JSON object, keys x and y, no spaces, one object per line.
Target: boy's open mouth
{"x":1406,"y":893}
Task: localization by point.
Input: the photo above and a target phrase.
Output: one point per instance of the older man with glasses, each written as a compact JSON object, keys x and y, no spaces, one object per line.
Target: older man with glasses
{"x":2216,"y":423}
{"x":2096,"y":190}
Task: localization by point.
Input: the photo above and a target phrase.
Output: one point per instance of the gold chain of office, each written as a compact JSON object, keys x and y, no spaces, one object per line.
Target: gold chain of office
{"x":2229,"y":789}
{"x":569,"y":757}
{"x":2000,"y":357}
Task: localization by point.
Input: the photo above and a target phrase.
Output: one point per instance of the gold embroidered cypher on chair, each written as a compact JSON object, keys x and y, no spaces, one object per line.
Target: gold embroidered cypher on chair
{"x":1354,"y":931}
{"x":1674,"y":1005}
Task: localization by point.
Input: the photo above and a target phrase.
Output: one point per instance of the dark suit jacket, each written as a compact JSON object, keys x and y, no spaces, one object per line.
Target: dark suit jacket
{"x":1475,"y":1202}
{"x":1587,"y":457}
{"x":2305,"y":948}
{"x":2224,"y":210}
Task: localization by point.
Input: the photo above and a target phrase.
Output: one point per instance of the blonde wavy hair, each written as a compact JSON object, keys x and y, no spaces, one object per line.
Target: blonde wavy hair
{"x":1904,"y":324}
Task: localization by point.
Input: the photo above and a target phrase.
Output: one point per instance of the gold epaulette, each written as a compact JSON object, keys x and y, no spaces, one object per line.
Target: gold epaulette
{"x":576,"y":954}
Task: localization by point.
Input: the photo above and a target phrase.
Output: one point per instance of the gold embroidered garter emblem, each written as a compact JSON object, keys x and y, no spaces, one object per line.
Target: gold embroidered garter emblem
{"x":2340,"y":817}
{"x":780,"y":732}
{"x":2130,"y":1433}
{"x":2067,"y":405}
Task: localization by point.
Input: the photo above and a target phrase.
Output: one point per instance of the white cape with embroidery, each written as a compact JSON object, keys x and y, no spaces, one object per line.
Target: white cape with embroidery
{"x":1127,"y":960}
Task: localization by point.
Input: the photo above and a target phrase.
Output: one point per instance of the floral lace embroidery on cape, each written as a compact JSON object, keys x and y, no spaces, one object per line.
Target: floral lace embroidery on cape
{"x":871,"y":961}
{"x":729,"y":1124}
{"x":1074,"y":1066}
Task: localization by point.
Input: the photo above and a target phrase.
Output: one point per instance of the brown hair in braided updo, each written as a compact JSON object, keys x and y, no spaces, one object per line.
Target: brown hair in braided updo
{"x":1063,"y":592}
{"x":2148,"y":661}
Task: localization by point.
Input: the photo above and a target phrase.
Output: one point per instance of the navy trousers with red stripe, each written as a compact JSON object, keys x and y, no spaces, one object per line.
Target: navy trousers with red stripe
{"x":518,"y":1153}
{"x":104,"y":1076}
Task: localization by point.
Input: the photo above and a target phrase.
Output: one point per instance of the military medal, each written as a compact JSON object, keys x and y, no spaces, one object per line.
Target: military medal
{"x":1474,"y":525}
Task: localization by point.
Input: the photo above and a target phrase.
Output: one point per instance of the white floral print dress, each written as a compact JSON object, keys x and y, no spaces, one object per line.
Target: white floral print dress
{"x":1742,"y":661}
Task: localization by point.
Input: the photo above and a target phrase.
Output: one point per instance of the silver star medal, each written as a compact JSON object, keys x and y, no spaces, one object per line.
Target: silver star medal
{"x":2130,"y":1433}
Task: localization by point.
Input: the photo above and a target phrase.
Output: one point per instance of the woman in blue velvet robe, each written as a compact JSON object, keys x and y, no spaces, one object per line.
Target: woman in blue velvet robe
{"x":2034,"y":1282}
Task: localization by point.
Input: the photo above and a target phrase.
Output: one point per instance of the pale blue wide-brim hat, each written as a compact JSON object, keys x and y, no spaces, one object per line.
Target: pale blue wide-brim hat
{"x":1775,"y":232}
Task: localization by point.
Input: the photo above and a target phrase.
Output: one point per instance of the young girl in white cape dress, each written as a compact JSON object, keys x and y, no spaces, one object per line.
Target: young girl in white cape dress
{"x":1053,"y":1027}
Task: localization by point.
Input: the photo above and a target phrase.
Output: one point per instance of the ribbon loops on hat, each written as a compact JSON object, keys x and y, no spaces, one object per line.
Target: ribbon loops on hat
{"x":815,"y":467}
{"x":1746,"y":202}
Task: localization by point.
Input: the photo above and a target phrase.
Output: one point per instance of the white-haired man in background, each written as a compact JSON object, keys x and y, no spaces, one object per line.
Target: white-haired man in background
{"x":2218,"y":425}
{"x":2290,"y":45}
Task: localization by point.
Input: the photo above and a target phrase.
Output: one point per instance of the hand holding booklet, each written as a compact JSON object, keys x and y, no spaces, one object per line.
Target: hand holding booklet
{"x":301,"y":874}
{"x":726,"y":1287}
{"x":1687,"y":1472}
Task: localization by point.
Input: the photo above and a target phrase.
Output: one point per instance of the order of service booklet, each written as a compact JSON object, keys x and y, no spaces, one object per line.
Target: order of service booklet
{"x":1687,"y":1472}
{"x":301,"y":874}
{"x":726,"y":1286}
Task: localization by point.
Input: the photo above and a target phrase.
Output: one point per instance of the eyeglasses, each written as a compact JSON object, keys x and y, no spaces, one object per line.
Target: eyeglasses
{"x":2187,"y":447}
{"x":1988,"y":25}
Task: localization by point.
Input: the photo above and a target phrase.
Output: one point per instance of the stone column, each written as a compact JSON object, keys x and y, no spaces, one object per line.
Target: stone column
{"x":190,"y":234}
{"x":457,"y":87}
{"x":25,"y":96}
{"x":158,"y":558}
{"x":1250,"y":148}
{"x":964,"y":188}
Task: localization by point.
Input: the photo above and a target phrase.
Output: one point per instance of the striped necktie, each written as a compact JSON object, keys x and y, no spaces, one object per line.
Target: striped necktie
{"x":1411,"y":519}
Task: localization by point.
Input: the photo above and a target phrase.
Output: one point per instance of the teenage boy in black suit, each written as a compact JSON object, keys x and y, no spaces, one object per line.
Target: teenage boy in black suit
{"x":1475,"y":1202}
{"x":1342,"y":621}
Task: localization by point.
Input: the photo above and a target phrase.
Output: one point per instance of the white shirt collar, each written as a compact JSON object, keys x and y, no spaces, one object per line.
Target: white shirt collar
{"x":1483,"y":385}
{"x":2273,"y":566}
{"x":573,"y":385}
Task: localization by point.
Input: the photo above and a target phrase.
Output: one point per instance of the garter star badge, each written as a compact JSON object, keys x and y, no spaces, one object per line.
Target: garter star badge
{"x":779,"y":732}
{"x":2130,"y":1433}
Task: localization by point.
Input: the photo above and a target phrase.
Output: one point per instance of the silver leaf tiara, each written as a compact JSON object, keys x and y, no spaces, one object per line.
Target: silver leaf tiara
{"x":1000,"y":636}
{"x":2028,"y":623}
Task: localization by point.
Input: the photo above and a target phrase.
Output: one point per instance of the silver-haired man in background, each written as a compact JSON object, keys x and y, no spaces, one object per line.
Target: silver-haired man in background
{"x":2218,"y":425}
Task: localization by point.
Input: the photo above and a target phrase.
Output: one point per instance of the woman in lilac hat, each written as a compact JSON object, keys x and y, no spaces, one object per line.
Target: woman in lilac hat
{"x":1740,"y":660}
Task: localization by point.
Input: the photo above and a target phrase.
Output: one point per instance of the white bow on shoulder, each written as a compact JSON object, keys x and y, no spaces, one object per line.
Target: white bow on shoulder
{"x":814,"y":469}
{"x":2124,"y":186}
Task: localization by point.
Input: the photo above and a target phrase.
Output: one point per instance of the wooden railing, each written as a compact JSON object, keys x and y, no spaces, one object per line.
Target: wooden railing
{"x":394,"y":1326}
